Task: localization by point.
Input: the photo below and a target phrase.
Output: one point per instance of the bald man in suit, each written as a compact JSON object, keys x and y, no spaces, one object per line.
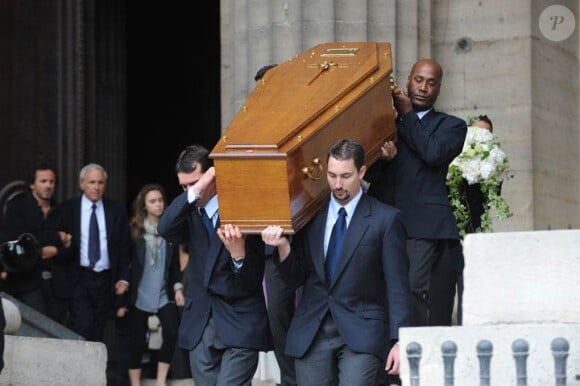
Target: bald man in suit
{"x":411,"y":176}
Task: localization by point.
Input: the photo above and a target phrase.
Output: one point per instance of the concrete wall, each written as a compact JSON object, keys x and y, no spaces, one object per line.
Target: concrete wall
{"x":522,"y":277}
{"x":555,"y":123}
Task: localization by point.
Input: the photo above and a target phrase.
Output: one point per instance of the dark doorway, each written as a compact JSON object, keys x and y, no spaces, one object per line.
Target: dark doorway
{"x":173,"y":87}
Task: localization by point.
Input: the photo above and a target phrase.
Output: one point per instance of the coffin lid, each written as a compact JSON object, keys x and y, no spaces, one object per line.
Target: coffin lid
{"x":294,"y":93}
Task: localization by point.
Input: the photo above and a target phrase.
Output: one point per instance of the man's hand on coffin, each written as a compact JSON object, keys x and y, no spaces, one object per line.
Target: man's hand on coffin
{"x":273,"y":235}
{"x":205,"y":187}
{"x":401,"y":101}
{"x":388,"y":150}
{"x":233,"y":239}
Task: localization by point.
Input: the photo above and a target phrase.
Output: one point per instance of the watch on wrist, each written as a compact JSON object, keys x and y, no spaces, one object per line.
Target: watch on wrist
{"x":238,"y":259}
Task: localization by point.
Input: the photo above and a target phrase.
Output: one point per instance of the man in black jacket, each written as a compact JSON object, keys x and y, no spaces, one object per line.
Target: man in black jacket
{"x":412,"y":178}
{"x":45,"y":287}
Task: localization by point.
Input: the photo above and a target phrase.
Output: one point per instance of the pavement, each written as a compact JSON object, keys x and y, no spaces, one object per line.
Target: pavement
{"x":189,"y":382}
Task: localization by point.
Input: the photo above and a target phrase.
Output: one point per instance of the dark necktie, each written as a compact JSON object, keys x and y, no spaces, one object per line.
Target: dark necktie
{"x":94,"y":242}
{"x":208,"y":223}
{"x":335,"y":244}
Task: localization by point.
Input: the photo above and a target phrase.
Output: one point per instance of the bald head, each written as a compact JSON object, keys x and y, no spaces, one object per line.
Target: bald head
{"x":424,"y":84}
{"x":432,"y":63}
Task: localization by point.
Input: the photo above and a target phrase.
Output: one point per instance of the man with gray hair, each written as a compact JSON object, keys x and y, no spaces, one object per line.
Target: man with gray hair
{"x":99,"y":253}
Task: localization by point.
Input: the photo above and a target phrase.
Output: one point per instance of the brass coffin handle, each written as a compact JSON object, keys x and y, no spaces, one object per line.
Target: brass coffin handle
{"x":314,"y":171}
{"x":394,"y":85}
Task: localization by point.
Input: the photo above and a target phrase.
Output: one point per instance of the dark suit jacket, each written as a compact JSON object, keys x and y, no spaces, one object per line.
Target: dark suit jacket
{"x":414,"y":181}
{"x":23,"y":215}
{"x":370,"y":296}
{"x":118,"y":238}
{"x":235,"y":299}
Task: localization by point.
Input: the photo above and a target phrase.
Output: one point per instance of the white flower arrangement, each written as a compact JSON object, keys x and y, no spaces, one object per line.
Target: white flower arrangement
{"x":481,"y":162}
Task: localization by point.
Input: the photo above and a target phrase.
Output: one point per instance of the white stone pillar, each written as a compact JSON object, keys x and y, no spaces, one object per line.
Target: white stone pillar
{"x":12,"y":315}
{"x":318,"y":22}
{"x":287,"y":29}
{"x":351,"y":21}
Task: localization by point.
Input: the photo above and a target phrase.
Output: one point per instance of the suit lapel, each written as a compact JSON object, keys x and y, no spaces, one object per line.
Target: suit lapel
{"x":209,"y":250}
{"x":316,"y":240}
{"x":428,"y":121}
{"x":213,"y":252}
{"x":77,"y":225}
{"x":109,"y":220}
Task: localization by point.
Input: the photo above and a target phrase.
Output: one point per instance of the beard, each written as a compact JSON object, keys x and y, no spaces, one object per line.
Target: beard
{"x":341,"y":195}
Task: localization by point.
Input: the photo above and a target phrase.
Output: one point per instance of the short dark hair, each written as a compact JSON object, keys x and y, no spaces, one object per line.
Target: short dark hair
{"x":484,"y":118}
{"x":262,"y":71}
{"x":191,"y":156}
{"x":40,"y":165}
{"x":345,"y":149}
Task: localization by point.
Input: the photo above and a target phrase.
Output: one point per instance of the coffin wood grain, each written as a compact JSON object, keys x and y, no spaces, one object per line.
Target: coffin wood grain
{"x":289,"y":120}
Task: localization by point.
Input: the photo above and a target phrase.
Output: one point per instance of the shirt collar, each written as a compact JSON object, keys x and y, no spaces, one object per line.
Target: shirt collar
{"x":421,"y":114}
{"x":86,"y":203}
{"x":212,"y":206}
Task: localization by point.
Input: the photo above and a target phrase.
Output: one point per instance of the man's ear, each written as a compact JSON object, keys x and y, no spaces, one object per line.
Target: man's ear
{"x":362,"y":171}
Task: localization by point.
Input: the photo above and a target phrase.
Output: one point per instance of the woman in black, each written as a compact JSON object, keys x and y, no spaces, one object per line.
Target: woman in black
{"x":154,"y":277}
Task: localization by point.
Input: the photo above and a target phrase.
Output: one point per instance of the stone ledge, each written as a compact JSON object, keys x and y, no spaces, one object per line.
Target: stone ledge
{"x":50,"y":361}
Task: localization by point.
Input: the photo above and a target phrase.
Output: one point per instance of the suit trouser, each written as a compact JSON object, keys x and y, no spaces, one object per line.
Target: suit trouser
{"x":329,"y":361}
{"x":57,"y":307}
{"x":215,"y":364}
{"x":433,"y":278}
{"x":281,"y":305}
{"x":91,"y":304}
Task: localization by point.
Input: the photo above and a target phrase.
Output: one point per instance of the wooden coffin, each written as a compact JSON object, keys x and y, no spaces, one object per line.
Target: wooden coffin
{"x":271,"y":161}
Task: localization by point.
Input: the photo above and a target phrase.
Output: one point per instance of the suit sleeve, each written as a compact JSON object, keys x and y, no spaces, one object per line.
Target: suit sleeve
{"x":437,"y":146}
{"x":173,"y":222}
{"x":396,"y":273}
{"x":295,"y":268}
{"x":249,"y":277}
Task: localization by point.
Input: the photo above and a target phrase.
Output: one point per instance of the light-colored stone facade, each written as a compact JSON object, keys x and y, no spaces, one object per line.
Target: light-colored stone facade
{"x":522,"y":277}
